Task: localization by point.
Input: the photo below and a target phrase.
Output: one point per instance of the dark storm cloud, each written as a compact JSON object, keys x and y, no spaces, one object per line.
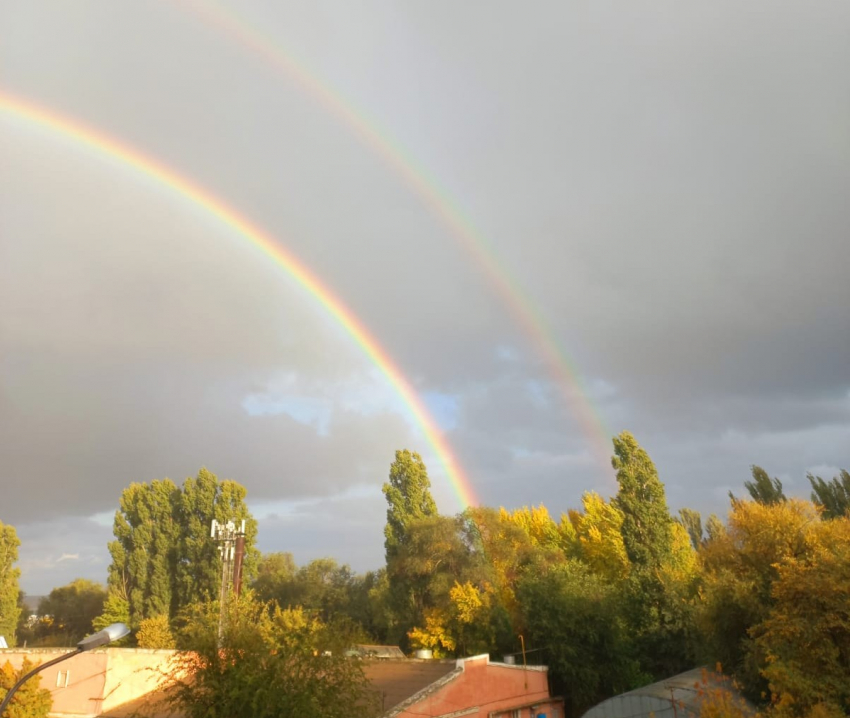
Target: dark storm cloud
{"x":666,"y":183}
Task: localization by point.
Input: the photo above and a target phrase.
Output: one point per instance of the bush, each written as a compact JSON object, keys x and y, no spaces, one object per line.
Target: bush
{"x":267,"y":663}
{"x":30,"y":701}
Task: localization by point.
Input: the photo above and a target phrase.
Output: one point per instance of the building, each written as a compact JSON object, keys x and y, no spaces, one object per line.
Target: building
{"x":679,"y":696}
{"x":466,"y":687}
{"x":117,"y":682}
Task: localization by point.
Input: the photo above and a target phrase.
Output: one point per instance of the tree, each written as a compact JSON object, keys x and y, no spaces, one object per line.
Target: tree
{"x":806,"y":638}
{"x":274,"y":570}
{"x":577,"y":618}
{"x":438,"y":553}
{"x":763,"y":489}
{"x":115,"y":610}
{"x":204,"y":498}
{"x":155,"y":632}
{"x":647,"y":524}
{"x":73,"y":609}
{"x":599,"y":534}
{"x":714,"y":528}
{"x":408,"y":494}
{"x":661,"y":582}
{"x":832,"y":496}
{"x":692,"y":521}
{"x":30,"y":700}
{"x":163,"y":558}
{"x":739,"y":568}
{"x":269,"y":662}
{"x":9,"y":590}
{"x":147,"y":530}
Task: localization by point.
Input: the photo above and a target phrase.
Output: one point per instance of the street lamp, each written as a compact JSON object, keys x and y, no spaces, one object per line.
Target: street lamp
{"x":111,"y":633}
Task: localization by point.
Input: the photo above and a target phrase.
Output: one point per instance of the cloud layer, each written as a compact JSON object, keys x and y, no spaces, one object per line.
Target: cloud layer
{"x":665,"y":184}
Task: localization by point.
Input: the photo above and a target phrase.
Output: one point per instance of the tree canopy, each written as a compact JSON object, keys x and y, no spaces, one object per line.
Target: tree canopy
{"x":9,"y":589}
{"x":162,"y":557}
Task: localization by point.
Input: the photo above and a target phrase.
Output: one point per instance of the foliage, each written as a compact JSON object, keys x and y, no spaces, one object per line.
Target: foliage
{"x":832,"y":496}
{"x":577,"y":618}
{"x":273,"y":571}
{"x":739,"y":569}
{"x":155,"y":632}
{"x":806,"y":638}
{"x":162,"y":557}
{"x":115,"y":610}
{"x":599,"y":534}
{"x":409,"y":500}
{"x":408,"y":494}
{"x":9,"y":591}
{"x":30,"y":700}
{"x":198,"y":570}
{"x":763,"y":489}
{"x":714,"y":528}
{"x":660,"y":583}
{"x":647,"y":525}
{"x":270,"y":662}
{"x":719,"y":697}
{"x":692,"y":521}
{"x":72,"y":609}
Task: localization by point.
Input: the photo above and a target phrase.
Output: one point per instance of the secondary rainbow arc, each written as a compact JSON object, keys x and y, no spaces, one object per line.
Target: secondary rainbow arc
{"x":165,"y":176}
{"x":524,"y":311}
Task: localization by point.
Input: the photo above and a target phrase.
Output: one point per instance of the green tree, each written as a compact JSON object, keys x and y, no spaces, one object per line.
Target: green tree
{"x":647,"y":525}
{"x":274,"y":570}
{"x":30,"y":700}
{"x":147,"y":529}
{"x":408,"y":494}
{"x":577,"y":619}
{"x":198,"y":573}
{"x":73,"y":609}
{"x":9,"y":590}
{"x":692,"y":521}
{"x":714,"y":528}
{"x":163,"y":558}
{"x":832,"y":496}
{"x":116,"y":609}
{"x":661,"y":584}
{"x":269,"y":663}
{"x":155,"y":632}
{"x":763,"y":489}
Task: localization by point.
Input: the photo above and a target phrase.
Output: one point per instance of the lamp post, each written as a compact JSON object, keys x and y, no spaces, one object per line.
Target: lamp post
{"x":111,"y":633}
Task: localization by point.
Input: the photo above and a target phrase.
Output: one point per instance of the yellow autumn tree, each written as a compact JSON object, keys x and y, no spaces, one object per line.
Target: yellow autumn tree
{"x":600,"y":540}
{"x":805,"y":640}
{"x":739,"y":568}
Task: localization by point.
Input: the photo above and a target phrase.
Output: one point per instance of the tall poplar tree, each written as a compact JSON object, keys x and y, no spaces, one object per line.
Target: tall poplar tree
{"x":647,"y":524}
{"x":198,"y":569}
{"x":9,"y":608}
{"x":408,"y":494}
{"x":163,"y":557}
{"x":409,"y":500}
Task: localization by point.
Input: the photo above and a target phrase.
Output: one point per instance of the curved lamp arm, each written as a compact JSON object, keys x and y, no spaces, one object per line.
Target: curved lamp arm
{"x":96,"y":640}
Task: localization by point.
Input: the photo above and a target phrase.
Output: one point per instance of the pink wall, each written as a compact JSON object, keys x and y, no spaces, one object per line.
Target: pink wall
{"x":76,"y":685}
{"x":487,"y":689}
{"x":82,"y":685}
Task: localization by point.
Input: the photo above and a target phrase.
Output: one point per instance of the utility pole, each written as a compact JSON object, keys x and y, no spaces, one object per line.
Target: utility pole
{"x":232,"y":548}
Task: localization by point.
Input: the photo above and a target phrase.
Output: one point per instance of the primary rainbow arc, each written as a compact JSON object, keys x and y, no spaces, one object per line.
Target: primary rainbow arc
{"x":527,"y":315}
{"x":263,"y":241}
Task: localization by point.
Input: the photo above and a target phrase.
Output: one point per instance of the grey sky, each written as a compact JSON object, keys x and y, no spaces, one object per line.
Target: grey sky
{"x":667,"y":183}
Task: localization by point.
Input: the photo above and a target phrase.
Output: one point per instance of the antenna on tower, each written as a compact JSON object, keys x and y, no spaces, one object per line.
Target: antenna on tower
{"x":232,"y":549}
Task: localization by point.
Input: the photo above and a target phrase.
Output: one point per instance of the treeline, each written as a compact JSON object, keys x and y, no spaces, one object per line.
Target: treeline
{"x":610,"y":595}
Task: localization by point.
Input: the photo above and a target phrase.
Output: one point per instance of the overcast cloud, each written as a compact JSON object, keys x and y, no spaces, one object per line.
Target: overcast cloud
{"x":666,"y":183}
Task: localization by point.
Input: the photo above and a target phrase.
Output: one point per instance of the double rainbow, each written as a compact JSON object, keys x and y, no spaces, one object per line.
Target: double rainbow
{"x":563,"y":370}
